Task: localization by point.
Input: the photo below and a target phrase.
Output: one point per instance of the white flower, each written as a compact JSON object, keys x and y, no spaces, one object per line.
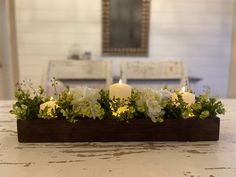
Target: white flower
{"x":188,"y":98}
{"x":174,"y":97}
{"x":85,"y":102}
{"x":154,"y":109}
{"x":165,"y":94}
{"x":85,"y":93}
{"x":149,"y":102}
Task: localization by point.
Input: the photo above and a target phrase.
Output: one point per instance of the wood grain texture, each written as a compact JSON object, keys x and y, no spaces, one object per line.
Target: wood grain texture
{"x":126,"y":159}
{"x":108,"y":130}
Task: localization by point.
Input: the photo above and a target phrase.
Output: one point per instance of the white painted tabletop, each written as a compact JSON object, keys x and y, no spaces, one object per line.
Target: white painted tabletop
{"x":126,"y":159}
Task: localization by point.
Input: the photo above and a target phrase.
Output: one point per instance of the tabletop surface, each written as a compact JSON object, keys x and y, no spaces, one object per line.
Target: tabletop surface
{"x":144,"y":159}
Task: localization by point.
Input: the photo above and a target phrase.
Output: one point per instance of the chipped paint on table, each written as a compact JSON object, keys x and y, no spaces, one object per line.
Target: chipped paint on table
{"x":151,"y":159}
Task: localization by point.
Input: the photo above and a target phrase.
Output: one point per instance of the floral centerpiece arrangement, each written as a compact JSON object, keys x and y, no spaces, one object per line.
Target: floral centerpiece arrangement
{"x":120,"y":102}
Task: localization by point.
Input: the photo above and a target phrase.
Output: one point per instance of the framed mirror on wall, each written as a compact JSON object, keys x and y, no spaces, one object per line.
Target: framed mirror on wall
{"x":125,"y":27}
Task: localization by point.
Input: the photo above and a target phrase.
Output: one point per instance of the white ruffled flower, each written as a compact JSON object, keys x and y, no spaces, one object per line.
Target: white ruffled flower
{"x":165,"y":94}
{"x":85,"y":102}
{"x":188,"y":98}
{"x":149,"y":102}
{"x":85,"y":93}
{"x":154,"y":109}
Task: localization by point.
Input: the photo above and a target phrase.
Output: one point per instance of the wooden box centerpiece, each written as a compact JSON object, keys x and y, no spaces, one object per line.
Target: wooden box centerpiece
{"x":87,"y":130}
{"x":118,"y":114}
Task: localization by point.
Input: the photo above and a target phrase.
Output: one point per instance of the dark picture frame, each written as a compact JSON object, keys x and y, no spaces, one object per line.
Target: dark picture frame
{"x":127,"y":36}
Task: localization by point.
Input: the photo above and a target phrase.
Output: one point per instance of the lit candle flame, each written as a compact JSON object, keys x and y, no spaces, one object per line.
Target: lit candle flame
{"x":183,"y":89}
{"x":51,"y":98}
{"x":120,"y":81}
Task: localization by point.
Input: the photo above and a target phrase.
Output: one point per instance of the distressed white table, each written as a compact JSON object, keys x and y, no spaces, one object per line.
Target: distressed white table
{"x":144,"y":159}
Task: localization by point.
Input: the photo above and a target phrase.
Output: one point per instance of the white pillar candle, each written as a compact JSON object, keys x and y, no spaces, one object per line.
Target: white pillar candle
{"x":119,"y":90}
{"x":122,"y":91}
{"x":187,"y":97}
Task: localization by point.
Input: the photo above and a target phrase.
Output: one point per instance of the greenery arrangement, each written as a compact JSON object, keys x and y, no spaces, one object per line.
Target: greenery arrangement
{"x":83,"y":102}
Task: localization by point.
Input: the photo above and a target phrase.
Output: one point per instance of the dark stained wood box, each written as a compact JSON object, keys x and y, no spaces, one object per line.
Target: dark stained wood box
{"x":89,"y":130}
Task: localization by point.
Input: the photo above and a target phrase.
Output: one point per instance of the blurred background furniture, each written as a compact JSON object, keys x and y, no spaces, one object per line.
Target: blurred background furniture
{"x":92,"y":73}
{"x":153,"y":73}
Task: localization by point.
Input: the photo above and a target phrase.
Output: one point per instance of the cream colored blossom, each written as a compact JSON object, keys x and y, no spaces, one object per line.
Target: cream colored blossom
{"x":149,"y":101}
{"x":188,"y":98}
{"x":165,"y":94}
{"x":174,"y":97}
{"x":85,"y":102}
{"x":154,"y":109}
{"x":51,"y":106}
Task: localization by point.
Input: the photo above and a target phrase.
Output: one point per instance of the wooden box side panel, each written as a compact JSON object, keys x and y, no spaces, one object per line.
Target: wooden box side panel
{"x":87,"y":130}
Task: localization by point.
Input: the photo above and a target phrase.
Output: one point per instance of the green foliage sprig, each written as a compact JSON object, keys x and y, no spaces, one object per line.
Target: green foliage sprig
{"x":92,"y":103}
{"x":66,"y":108}
{"x":28,"y":100}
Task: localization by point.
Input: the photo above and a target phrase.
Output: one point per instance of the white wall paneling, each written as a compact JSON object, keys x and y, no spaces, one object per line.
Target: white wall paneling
{"x":196,"y":31}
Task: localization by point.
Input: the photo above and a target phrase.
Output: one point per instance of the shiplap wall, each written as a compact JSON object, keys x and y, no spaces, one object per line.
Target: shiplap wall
{"x":198,"y":32}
